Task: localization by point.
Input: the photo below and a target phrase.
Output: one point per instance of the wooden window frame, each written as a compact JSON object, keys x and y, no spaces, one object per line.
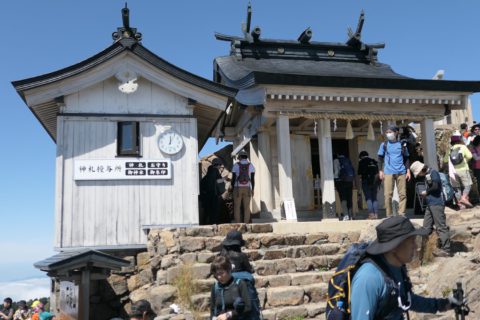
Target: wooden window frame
{"x":135,"y":151}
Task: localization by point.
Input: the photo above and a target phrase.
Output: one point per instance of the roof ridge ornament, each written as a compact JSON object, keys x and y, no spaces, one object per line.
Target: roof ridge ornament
{"x":126,"y":31}
{"x":355,"y":40}
{"x":253,"y":36}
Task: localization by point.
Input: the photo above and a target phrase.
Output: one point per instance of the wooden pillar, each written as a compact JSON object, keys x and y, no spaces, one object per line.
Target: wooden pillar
{"x":265,"y":175}
{"x":284,"y":158}
{"x":326,"y":168}
{"x":85,"y":295}
{"x":428,"y":143}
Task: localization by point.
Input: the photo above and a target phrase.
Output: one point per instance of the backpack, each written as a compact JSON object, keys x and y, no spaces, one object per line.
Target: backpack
{"x":447,"y":188}
{"x":255,"y":313}
{"x":346,"y":169}
{"x":243,"y":175}
{"x":339,"y":286}
{"x":456,"y":156}
{"x":371,"y":172}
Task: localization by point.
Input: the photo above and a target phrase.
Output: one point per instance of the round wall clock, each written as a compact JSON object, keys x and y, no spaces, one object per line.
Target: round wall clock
{"x":170,"y":142}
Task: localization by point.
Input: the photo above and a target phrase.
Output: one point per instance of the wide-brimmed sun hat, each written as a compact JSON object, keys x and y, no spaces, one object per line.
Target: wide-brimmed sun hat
{"x":234,"y":238}
{"x":391,"y":232}
{"x":416,"y":168}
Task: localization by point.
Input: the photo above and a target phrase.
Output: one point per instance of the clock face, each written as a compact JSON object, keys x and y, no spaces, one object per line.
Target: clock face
{"x":170,"y":142}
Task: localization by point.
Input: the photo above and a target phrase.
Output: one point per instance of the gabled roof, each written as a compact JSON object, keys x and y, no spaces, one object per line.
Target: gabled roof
{"x":124,"y":44}
{"x":284,"y":62}
{"x":46,"y":111}
{"x":76,"y":259}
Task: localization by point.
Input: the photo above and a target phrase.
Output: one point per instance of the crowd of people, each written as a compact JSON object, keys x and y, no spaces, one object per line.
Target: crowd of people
{"x":21,"y":311}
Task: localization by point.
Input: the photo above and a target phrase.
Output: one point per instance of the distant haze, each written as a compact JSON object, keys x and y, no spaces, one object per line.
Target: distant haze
{"x":25,"y":289}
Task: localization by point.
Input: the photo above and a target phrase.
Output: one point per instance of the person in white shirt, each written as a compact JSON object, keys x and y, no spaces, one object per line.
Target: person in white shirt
{"x":243,"y":182}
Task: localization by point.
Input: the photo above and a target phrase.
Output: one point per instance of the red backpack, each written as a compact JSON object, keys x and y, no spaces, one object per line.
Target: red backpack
{"x":244,"y":170}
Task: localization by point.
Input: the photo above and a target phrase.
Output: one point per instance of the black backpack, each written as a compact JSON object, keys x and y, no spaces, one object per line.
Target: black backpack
{"x":456,"y":156}
{"x":371,"y":171}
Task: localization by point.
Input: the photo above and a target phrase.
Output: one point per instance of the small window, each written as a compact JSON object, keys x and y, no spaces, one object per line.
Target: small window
{"x":128,"y":138}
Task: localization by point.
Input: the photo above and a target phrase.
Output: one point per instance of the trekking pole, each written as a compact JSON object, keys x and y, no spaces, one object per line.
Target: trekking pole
{"x":461,"y":310}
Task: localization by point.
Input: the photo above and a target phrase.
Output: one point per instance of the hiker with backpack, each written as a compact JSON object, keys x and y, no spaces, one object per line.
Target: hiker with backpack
{"x":457,"y":158}
{"x":243,"y":182}
{"x":344,"y":179}
{"x":368,"y":173}
{"x":372,"y":280}
{"x":241,"y":268}
{"x":394,"y":162}
{"x":229,"y":297}
{"x":232,"y":249}
{"x":435,"y":210}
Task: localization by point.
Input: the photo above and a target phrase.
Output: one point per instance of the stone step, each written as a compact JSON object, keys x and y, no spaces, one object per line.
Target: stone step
{"x":292,"y":265}
{"x":294,"y":279}
{"x":306,"y":311}
{"x":292,"y":295}
{"x":299,"y":251}
{"x":276,"y":297}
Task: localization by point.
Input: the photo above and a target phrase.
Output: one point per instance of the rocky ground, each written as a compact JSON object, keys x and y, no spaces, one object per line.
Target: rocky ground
{"x":439,"y":277}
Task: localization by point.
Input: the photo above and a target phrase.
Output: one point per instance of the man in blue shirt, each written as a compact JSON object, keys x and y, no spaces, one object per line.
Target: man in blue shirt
{"x":435,"y":211}
{"x":395,"y":169}
{"x":381,"y":288}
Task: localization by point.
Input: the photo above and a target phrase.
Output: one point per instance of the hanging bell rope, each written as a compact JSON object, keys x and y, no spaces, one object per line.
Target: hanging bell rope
{"x":349,"y":134}
{"x":370,"y":133}
{"x":381,"y":127}
{"x":334,"y":125}
{"x":315,"y":128}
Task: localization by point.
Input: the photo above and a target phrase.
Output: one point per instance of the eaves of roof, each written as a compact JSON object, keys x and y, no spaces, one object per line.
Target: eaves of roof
{"x":112,"y":51}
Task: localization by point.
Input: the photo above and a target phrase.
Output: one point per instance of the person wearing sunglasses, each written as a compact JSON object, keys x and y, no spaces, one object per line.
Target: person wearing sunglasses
{"x":381,"y":288}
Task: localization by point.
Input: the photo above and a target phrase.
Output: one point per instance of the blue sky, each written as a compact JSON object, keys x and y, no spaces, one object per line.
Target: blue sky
{"x":42,"y":36}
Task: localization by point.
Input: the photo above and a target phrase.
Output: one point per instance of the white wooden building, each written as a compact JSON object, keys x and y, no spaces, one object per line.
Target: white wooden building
{"x":128,"y":127}
{"x":298,"y":99}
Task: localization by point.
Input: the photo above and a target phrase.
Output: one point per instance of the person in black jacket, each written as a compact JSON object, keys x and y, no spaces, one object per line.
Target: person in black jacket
{"x":229,"y":296}
{"x":212,"y":186}
{"x":232,"y":249}
{"x":368,"y":173}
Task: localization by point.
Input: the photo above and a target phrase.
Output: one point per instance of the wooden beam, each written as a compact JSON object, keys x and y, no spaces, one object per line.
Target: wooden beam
{"x":428,"y":143}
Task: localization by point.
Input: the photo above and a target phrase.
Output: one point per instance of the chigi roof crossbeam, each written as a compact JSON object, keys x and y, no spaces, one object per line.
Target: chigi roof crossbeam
{"x":252,"y":46}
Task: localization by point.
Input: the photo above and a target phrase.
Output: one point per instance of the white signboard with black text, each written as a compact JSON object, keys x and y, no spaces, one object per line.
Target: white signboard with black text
{"x":289,"y":208}
{"x":122,"y":169}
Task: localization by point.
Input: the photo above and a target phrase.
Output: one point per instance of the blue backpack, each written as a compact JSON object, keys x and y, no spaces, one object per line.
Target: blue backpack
{"x":247,"y":277}
{"x":347,"y":173}
{"x":447,"y":188}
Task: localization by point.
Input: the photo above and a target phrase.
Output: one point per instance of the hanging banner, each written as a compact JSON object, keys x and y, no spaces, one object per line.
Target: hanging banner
{"x":122,"y":169}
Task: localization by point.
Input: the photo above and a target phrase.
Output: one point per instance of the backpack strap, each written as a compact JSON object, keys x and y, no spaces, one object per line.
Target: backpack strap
{"x":386,"y":307}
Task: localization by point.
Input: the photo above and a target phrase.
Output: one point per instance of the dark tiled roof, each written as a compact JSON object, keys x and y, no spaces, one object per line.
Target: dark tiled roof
{"x":286,"y":62}
{"x":81,"y":257}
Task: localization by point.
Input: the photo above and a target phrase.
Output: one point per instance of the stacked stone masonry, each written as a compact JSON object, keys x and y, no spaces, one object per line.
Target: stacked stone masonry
{"x":291,"y":270}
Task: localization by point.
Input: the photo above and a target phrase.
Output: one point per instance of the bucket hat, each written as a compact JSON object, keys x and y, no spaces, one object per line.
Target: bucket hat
{"x":391,"y":232}
{"x":233,"y":238}
{"x":416,"y":168}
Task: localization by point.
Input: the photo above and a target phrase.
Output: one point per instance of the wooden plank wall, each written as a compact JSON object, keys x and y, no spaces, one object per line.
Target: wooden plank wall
{"x":111,"y":213}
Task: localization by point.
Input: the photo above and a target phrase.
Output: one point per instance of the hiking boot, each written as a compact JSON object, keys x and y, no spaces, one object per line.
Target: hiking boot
{"x":372,"y":216}
{"x":464,"y":200}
